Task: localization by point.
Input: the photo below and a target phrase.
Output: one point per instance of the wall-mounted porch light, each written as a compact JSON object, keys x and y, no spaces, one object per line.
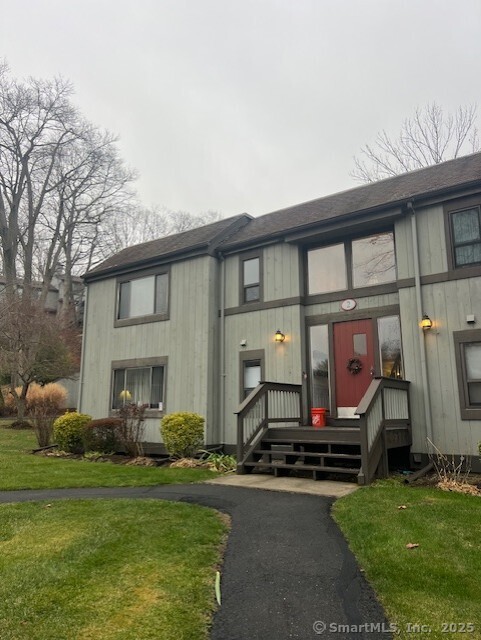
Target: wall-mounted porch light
{"x":426,"y":322}
{"x":279,"y":336}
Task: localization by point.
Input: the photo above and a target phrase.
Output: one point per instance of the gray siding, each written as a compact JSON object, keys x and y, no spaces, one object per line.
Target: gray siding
{"x":283,"y":362}
{"x":190,"y":339}
{"x":281,"y":274}
{"x":448,"y":304}
{"x":186,"y":339}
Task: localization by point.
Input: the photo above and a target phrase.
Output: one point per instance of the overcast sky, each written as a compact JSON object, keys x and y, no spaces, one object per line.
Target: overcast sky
{"x":247,"y":105}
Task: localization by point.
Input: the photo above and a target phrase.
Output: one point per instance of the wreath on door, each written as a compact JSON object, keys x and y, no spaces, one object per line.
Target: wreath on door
{"x":354,"y":365}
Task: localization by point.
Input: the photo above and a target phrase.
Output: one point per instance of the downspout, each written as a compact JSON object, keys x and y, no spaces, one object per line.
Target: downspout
{"x":82,"y":355}
{"x":221,"y":429}
{"x":420,"y":313}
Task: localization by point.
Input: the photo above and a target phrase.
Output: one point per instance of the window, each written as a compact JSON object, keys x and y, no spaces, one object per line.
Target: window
{"x":319,"y":344}
{"x":466,"y":237}
{"x":252,"y":375}
{"x":373,"y":260}
{"x":251,"y":277}
{"x":146,"y":296}
{"x":327,"y":269}
{"x":138,"y":384}
{"x":363,"y":262}
{"x":390,"y":351}
{"x":251,"y":371}
{"x":468,"y":364}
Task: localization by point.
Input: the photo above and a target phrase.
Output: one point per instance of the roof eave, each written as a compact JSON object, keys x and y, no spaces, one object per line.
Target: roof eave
{"x":138,"y":265}
{"x":396,"y":208}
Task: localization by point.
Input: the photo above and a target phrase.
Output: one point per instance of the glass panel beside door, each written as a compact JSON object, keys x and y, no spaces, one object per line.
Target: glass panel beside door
{"x":390,"y":352}
{"x":319,"y":362}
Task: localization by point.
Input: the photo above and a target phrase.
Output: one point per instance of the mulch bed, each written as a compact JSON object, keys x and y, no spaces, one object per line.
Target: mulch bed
{"x":115,"y":458}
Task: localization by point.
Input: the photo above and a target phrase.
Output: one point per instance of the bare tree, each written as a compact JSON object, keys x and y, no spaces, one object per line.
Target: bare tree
{"x":37,"y":122}
{"x":32,"y":347}
{"x":429,"y":137}
{"x":92,"y":189}
{"x":61,"y":180}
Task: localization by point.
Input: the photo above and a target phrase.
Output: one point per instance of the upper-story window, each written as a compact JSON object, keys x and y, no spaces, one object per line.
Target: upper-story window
{"x":363,"y":262}
{"x":466,"y":235}
{"x":144,"y":297}
{"x":251,"y":276}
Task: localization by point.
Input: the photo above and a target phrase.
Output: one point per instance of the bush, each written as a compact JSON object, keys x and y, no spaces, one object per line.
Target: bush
{"x":68,"y":431}
{"x":102,"y":435}
{"x":182,"y":433}
{"x":52,"y":394}
{"x":43,"y":406}
{"x":220,"y":461}
{"x":132,"y":427}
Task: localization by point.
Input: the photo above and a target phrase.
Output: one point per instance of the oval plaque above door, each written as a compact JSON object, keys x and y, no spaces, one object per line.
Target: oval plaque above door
{"x":348,"y":305}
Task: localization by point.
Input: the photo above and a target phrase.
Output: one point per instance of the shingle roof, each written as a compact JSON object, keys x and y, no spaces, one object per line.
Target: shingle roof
{"x":388,"y":192}
{"x":199,"y":238}
{"x":231,"y":233}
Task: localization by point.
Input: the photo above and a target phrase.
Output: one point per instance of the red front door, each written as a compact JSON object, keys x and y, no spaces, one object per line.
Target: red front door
{"x":353,"y":363}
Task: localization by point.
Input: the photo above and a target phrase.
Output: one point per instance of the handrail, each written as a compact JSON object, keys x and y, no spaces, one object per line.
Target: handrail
{"x":386,"y":401}
{"x":268,"y":402}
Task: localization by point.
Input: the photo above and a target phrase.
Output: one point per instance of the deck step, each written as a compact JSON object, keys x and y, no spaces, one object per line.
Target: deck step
{"x":301,"y":467}
{"x":289,"y":441}
{"x":309,"y":454}
{"x":338,"y":435}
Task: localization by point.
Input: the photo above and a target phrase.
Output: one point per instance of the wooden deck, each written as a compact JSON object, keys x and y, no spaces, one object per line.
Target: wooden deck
{"x":357,"y":446}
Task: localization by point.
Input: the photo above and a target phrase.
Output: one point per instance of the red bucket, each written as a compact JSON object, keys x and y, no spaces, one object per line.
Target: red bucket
{"x":318,"y":417}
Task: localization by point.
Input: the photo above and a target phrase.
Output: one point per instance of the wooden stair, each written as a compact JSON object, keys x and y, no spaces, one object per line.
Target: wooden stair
{"x":352,"y":446}
{"x":283,"y":450}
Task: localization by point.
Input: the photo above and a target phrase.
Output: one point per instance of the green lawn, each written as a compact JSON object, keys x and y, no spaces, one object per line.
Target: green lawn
{"x":108,"y":570}
{"x":437,"y":584}
{"x":19,"y":469}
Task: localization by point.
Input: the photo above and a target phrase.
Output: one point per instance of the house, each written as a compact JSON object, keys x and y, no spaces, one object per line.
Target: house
{"x":323,"y":303}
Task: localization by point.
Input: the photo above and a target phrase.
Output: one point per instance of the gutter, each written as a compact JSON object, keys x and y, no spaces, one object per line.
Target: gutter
{"x":222,"y":381}
{"x":83,"y":352}
{"x":420,"y":313}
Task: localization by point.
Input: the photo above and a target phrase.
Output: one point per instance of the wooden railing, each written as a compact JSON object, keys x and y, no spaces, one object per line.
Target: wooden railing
{"x":385,"y":404}
{"x":269,"y":402}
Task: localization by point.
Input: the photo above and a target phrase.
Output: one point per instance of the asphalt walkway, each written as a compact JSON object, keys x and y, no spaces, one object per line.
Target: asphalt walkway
{"x":287,"y":572}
